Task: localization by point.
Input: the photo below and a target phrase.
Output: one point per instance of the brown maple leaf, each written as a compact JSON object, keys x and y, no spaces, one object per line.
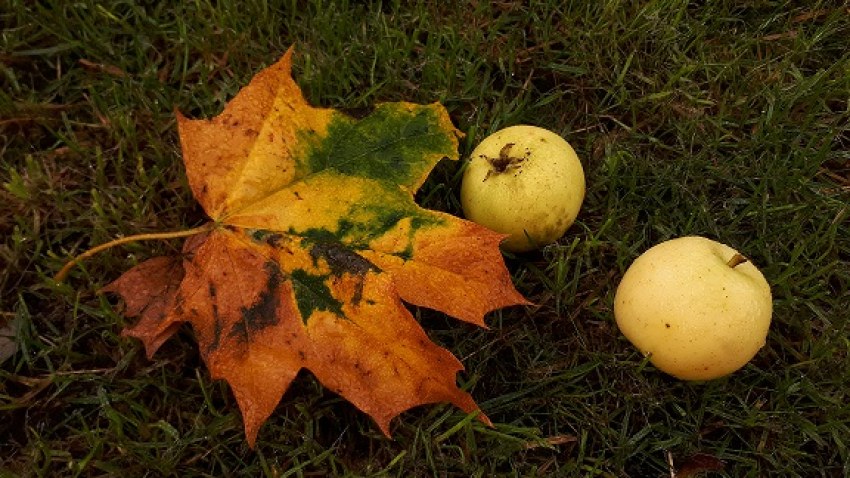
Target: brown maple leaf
{"x":314,"y":242}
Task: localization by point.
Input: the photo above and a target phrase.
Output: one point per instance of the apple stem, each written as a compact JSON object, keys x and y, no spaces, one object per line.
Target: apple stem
{"x":736,"y":260}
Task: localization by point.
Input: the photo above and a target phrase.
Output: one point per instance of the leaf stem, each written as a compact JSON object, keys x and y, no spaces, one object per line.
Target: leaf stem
{"x":60,"y":276}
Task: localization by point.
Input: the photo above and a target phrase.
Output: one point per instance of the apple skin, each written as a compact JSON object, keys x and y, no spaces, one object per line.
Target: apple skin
{"x":697,"y":318}
{"x":535,"y":199}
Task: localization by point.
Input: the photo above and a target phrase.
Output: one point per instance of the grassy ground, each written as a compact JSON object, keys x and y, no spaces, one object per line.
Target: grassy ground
{"x":728,"y":120}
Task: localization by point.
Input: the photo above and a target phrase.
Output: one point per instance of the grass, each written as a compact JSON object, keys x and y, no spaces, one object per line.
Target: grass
{"x":724,"y":119}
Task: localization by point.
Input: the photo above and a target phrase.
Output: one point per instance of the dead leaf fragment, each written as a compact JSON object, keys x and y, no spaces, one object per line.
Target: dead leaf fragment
{"x":791,"y":34}
{"x":810,"y":15}
{"x":102,"y":68}
{"x":698,"y":464}
{"x":9,"y":326}
{"x":551,"y":441}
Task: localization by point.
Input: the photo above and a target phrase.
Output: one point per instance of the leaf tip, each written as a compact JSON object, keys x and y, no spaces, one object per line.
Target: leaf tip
{"x":251,"y":437}
{"x":384,"y":426}
{"x":287,"y":56}
{"x":483,"y":418}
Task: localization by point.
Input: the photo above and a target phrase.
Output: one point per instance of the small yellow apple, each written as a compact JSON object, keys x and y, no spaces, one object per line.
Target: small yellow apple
{"x":526,"y":182}
{"x":697,"y":308}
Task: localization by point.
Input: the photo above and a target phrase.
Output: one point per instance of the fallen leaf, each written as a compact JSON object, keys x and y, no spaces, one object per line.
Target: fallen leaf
{"x":314,"y":243}
{"x":9,"y":326}
{"x":698,"y":464}
{"x":551,"y":441}
{"x":811,"y":15}
{"x":791,"y":34}
{"x":102,"y":68}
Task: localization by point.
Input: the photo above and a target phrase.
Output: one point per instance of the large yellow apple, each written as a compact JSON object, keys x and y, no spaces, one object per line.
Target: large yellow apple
{"x":526,"y":182}
{"x":697,"y":308}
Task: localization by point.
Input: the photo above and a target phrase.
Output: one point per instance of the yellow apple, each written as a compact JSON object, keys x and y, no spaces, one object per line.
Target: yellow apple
{"x":697,"y":308}
{"x":526,"y":182}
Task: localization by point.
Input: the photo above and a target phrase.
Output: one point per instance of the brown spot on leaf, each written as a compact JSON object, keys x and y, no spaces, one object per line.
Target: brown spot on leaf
{"x":264,"y":312}
{"x":341,"y":259}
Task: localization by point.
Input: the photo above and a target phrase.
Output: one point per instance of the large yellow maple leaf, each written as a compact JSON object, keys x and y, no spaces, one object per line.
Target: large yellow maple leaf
{"x":314,"y":242}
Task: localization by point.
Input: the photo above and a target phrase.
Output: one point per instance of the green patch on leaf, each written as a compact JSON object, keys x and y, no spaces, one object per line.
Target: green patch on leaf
{"x":312,"y":294}
{"x":388,"y":145}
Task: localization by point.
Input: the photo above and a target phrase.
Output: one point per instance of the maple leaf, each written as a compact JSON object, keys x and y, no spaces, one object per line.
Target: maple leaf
{"x":314,"y":243}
